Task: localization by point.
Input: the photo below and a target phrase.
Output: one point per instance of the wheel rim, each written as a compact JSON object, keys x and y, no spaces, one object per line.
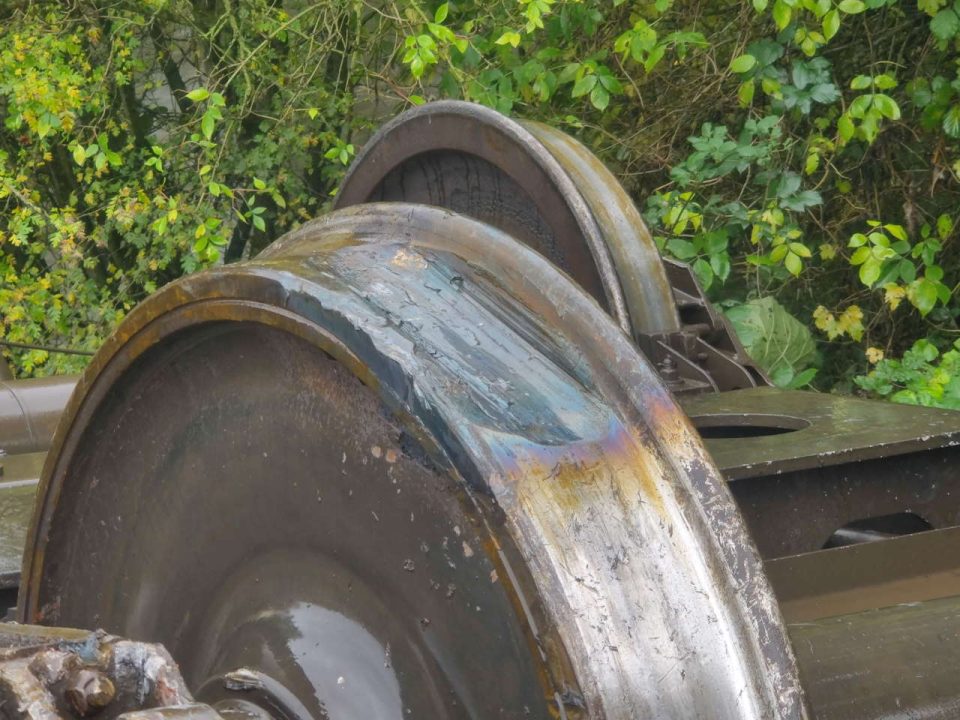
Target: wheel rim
{"x":539,"y":185}
{"x":443,"y":331}
{"x":244,"y":540}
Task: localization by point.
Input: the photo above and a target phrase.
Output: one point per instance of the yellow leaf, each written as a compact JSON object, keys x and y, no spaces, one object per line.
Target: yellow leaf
{"x":851,"y":322}
{"x":825,"y":321}
{"x":893,"y":294}
{"x":874,"y":355}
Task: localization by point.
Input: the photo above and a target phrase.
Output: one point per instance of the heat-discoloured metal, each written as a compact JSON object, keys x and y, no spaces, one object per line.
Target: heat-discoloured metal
{"x":617,"y":549}
{"x":30,"y":410}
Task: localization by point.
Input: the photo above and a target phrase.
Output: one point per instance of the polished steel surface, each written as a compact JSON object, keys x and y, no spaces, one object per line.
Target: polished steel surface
{"x":224,"y":482}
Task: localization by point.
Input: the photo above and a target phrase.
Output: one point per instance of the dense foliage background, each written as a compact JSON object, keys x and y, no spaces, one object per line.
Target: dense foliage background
{"x":803,"y":155}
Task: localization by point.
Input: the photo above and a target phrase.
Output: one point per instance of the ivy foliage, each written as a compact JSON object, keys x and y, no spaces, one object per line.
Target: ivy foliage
{"x":806,"y":151}
{"x":143,"y":140}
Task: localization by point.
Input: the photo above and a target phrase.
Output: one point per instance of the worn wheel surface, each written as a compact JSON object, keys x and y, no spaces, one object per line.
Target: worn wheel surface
{"x":400,"y":466}
{"x":536,"y":183}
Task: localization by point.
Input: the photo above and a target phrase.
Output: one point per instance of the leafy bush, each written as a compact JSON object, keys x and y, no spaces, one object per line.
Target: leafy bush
{"x":802,"y":150}
{"x":924,"y":376}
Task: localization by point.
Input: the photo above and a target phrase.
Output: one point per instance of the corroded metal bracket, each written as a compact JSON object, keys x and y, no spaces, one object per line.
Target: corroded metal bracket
{"x":50,"y":673}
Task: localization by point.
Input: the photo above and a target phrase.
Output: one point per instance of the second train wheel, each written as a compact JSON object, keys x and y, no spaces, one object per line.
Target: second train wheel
{"x":400,"y":466}
{"x":539,"y":185}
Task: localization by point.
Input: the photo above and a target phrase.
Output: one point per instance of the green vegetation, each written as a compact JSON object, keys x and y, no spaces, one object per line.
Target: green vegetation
{"x":805,"y":152}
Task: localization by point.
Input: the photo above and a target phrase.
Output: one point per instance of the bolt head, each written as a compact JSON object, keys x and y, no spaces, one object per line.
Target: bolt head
{"x":89,"y":691}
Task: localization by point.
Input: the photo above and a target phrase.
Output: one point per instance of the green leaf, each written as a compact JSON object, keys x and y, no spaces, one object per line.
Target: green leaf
{"x":930,"y":7}
{"x":441,"y":14}
{"x":610,"y":84}
{"x":681,"y":249}
{"x":831,"y":24}
{"x":782,"y":376}
{"x":259,"y":184}
{"x":79,"y":155}
{"x":852,"y":7}
{"x":885,"y":82}
{"x":198,"y":95}
{"x":599,"y":97}
{"x":43,"y":125}
{"x":800,"y":249}
{"x":944,"y":226}
{"x":887,"y":106}
{"x":772,"y":336}
{"x":417,"y":66}
{"x":801,"y":379}
{"x":745,"y":92}
{"x":760,"y":5}
{"x":945,"y":24}
{"x":923,"y":295}
{"x":721,"y":266}
{"x":781,"y":14}
{"x":825,"y":93}
{"x":845,"y":128}
{"x":870,"y":272}
{"x":793,"y":263}
{"x":743,"y":63}
{"x":656,"y":55}
{"x":509,"y":38}
{"x":584,"y":85}
{"x":704,"y":273}
{"x":897,"y":231}
{"x":861,"y":82}
{"x":951,"y":122}
{"x":207,"y":124}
